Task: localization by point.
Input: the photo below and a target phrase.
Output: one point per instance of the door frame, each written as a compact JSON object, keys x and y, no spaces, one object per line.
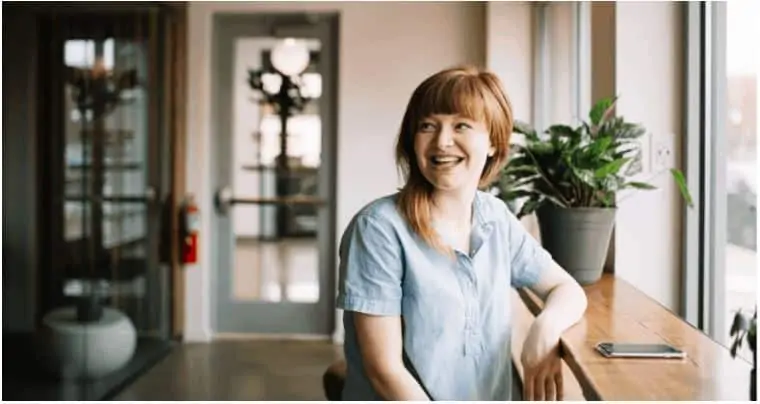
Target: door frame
{"x":225,"y":27}
{"x":175,"y":107}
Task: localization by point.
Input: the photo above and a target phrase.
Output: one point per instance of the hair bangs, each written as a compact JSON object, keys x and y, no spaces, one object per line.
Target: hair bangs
{"x":456,"y":94}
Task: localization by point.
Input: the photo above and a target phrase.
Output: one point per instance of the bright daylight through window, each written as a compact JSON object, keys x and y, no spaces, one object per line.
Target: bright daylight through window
{"x":742,"y":65}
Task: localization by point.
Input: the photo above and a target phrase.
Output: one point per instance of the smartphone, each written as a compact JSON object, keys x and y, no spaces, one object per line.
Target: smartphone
{"x":625,"y":350}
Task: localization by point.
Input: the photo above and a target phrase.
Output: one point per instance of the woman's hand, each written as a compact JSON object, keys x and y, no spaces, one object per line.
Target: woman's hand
{"x":542,"y":364}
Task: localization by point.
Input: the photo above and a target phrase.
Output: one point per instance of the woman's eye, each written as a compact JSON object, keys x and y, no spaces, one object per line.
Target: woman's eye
{"x":462,"y":126}
{"x":426,"y":126}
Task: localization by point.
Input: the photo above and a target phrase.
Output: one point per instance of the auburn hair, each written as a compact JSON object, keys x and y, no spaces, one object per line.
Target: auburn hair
{"x":467,"y":91}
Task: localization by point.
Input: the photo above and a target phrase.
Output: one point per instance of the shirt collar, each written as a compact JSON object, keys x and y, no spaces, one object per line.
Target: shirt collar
{"x":480,"y":211}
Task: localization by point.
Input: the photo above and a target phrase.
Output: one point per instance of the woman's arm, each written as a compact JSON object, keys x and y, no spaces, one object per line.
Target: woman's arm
{"x":564,"y":301}
{"x":564,"y":305}
{"x":380,"y":343}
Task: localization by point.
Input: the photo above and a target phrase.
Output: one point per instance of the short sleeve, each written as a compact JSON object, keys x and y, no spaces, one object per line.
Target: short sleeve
{"x":371,"y":268}
{"x":527,"y":257}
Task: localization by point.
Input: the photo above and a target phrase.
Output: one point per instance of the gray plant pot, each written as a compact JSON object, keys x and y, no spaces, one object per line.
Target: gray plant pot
{"x":577,"y":238}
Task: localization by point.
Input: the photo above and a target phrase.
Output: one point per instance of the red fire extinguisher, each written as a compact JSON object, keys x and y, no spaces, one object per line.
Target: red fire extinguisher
{"x":190,"y":228}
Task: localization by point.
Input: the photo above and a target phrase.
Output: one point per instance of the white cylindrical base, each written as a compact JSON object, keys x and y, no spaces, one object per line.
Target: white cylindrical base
{"x":74,"y":350}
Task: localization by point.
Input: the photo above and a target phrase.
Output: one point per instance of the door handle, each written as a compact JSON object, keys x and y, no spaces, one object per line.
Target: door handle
{"x":224,"y":200}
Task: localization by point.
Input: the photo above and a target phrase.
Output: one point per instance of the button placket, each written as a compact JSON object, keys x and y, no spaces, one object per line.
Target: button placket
{"x":470,"y":292}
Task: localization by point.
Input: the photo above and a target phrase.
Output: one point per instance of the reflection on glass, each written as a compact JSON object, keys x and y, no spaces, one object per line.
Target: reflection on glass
{"x":741,"y":159}
{"x":275,"y":263}
{"x":106,"y":133}
{"x":282,"y":271}
{"x":304,"y":140}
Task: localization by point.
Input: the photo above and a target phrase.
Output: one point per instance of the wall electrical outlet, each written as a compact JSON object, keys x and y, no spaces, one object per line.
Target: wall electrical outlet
{"x":662,"y":149}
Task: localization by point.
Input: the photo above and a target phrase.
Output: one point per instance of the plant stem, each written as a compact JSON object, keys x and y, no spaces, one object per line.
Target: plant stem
{"x":541,"y":173}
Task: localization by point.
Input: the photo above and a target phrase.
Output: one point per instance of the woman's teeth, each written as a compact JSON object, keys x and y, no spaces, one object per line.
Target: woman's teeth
{"x":446,"y":160}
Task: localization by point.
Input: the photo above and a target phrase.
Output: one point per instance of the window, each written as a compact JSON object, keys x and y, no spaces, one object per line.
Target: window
{"x":740,"y":158}
{"x":721,"y":114}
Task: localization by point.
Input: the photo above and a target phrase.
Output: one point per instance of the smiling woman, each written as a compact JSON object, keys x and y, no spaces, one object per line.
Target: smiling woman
{"x":425,"y":273}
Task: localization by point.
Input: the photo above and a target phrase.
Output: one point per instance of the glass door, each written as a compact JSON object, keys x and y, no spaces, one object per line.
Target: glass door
{"x":111,"y":214}
{"x":106,"y":294}
{"x":275,"y":180}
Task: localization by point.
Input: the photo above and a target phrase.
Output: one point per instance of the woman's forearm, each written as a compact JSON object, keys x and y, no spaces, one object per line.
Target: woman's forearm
{"x":398,"y":385}
{"x":564,"y":306}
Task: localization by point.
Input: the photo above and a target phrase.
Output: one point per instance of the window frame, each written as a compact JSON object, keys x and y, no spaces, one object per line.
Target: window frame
{"x":705,"y":233}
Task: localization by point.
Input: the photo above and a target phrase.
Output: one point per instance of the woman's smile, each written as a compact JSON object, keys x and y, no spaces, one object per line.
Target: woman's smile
{"x":445,"y":161}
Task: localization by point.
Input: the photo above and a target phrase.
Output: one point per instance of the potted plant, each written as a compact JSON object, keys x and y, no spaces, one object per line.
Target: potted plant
{"x":570,"y":177}
{"x":745,"y":328}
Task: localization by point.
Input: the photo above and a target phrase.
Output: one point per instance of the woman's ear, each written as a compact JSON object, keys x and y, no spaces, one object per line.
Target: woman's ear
{"x":491,"y":151}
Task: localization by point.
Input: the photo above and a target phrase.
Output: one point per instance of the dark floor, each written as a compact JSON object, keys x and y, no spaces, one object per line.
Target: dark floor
{"x":24,"y":379}
{"x":237,"y":370}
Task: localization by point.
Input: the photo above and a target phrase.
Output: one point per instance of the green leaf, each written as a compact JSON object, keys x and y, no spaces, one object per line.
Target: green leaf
{"x":516,"y":170}
{"x":523,"y":181}
{"x":610,"y":168}
{"x":735,"y":347}
{"x":564,"y":131}
{"x":640,"y":185}
{"x":611,"y":183}
{"x":599,"y":110}
{"x":584,"y":175}
{"x":631,"y":131}
{"x":555,"y":200}
{"x":600,"y":145}
{"x":608,"y":199}
{"x":517,"y":193}
{"x":681,"y":182}
{"x":520,"y":161}
{"x":525,"y":129}
{"x":529,"y":207}
{"x":739,"y":324}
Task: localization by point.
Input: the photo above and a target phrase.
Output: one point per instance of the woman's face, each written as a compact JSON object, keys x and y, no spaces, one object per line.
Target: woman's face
{"x":452,"y":151}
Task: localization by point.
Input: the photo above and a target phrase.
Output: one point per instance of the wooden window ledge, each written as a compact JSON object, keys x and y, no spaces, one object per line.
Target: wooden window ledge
{"x":618,"y":312}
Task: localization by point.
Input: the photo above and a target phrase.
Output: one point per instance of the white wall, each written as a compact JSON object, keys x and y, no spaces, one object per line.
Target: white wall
{"x":509,"y":53}
{"x":509,"y":50}
{"x":386,"y":49}
{"x":648,"y":79}
{"x":561,"y":69}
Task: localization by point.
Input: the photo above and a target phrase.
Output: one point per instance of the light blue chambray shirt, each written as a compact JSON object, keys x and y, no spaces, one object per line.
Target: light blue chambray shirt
{"x":457,"y":314}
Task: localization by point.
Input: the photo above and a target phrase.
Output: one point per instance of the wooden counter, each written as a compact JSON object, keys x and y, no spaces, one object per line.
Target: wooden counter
{"x":618,"y":312}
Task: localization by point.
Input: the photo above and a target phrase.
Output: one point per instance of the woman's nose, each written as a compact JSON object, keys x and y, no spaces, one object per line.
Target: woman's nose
{"x":445,"y":137}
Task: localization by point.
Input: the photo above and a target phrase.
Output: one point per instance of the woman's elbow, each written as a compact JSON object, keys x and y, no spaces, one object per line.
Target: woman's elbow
{"x":383,"y":377}
{"x":584,"y":302}
{"x":581,"y":301}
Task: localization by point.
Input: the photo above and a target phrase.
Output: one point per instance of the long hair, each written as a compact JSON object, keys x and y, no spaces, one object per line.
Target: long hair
{"x":467,"y":91}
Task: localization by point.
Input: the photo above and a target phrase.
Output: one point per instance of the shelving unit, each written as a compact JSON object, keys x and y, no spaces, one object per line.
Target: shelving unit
{"x":98,"y":219}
